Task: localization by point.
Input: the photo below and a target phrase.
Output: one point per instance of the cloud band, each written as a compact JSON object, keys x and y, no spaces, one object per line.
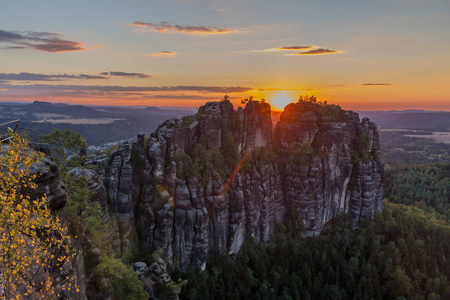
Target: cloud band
{"x":42,"y":41}
{"x":186,"y":29}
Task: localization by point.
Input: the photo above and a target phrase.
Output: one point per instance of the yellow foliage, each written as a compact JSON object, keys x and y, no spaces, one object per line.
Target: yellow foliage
{"x":32,"y":238}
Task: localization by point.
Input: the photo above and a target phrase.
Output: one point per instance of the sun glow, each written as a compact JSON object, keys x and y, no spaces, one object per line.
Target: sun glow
{"x":280,"y":101}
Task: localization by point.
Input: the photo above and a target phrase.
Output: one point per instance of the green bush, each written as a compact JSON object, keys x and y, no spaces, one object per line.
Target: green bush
{"x":125,"y":282}
{"x":203,"y":159}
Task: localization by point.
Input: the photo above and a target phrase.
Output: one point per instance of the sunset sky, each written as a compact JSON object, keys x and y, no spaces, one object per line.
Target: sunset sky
{"x":363,"y":55}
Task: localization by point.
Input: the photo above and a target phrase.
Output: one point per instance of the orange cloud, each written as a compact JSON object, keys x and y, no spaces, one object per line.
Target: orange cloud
{"x":186,"y":29}
{"x":312,"y":50}
{"x":165,"y":54}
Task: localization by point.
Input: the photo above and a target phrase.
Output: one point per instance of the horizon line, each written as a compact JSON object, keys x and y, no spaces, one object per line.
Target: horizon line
{"x":24,"y":102}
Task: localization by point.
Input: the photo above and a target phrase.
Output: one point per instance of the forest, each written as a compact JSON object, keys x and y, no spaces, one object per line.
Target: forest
{"x":402,"y":253}
{"x":425,"y":186}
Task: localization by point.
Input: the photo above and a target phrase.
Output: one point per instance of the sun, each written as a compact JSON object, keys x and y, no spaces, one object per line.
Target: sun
{"x":280,"y":101}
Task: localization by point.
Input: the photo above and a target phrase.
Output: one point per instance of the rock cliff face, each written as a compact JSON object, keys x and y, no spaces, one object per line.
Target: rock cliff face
{"x":213,"y":180}
{"x":48,"y":179}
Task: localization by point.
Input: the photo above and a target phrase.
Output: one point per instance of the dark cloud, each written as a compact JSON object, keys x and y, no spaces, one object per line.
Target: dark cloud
{"x":85,"y":76}
{"x":295,"y":47}
{"x":44,"y":77}
{"x":43,"y":41}
{"x":15,"y":47}
{"x":125,"y":74}
{"x":187,"y":29}
{"x":117,"y":88}
{"x":375,"y":84}
{"x":59,"y":77}
{"x":318,"y":51}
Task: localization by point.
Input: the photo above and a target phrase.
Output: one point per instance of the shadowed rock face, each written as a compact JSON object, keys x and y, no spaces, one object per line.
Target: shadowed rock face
{"x":317,"y":163}
{"x":50,"y":183}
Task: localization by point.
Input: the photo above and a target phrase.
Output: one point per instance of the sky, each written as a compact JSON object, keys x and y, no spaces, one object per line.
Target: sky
{"x":362,"y":55}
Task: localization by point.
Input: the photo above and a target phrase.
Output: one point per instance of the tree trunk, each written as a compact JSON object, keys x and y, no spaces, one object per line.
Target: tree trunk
{"x":2,"y":294}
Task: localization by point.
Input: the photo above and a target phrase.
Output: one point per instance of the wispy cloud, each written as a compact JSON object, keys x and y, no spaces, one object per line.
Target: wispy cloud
{"x":376,"y":84}
{"x":181,"y":97}
{"x":42,"y":41}
{"x":15,"y":47}
{"x":24,"y":76}
{"x":125,"y":74}
{"x":186,"y":29}
{"x":117,"y":88}
{"x":164,"y":54}
{"x":311,"y":50}
{"x":317,"y":51}
{"x":291,"y":89}
{"x":295,"y":47}
{"x":279,"y":89}
{"x":284,"y":48}
{"x":44,"y":77}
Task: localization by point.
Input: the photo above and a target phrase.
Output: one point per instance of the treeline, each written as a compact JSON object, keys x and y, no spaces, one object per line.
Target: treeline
{"x":402,"y":253}
{"x":399,"y":151}
{"x":426,"y":186}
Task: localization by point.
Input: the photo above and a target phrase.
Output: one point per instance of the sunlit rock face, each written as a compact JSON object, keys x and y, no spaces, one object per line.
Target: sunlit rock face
{"x":329,"y":165}
{"x":317,"y":163}
{"x":255,"y":126}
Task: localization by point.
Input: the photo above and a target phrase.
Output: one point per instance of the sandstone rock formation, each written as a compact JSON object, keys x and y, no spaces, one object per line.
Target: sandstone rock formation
{"x":49,"y":181}
{"x":156,"y":280}
{"x":211,"y":181}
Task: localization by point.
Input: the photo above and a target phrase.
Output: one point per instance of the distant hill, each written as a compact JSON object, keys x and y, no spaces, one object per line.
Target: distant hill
{"x":60,"y":108}
{"x":410,"y":119}
{"x":97,"y":124}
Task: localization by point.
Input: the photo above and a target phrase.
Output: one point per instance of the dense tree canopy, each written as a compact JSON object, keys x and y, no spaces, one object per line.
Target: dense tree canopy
{"x":426,"y":186}
{"x":403,"y":252}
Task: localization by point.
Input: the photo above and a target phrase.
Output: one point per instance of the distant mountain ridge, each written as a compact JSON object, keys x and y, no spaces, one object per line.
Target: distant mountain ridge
{"x":97,"y":124}
{"x":61,"y":108}
{"x":410,"y":119}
